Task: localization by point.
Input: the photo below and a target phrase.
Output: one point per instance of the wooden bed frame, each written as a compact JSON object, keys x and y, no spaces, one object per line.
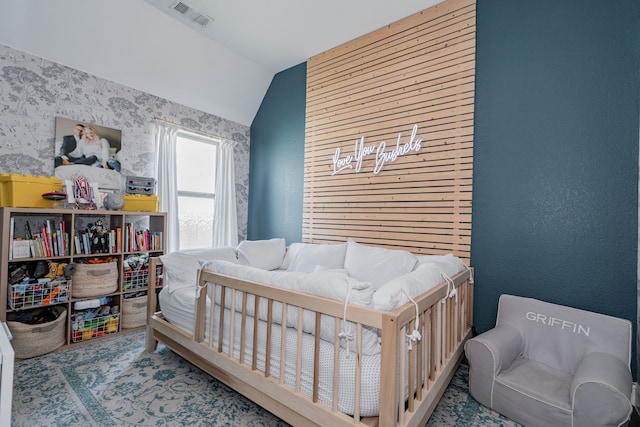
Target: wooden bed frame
{"x":445,"y":326}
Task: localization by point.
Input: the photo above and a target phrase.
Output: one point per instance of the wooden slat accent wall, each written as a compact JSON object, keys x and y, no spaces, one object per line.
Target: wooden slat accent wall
{"x":417,"y":71}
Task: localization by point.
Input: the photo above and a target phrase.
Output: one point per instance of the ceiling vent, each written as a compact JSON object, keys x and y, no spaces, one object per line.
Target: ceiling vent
{"x":191,"y":14}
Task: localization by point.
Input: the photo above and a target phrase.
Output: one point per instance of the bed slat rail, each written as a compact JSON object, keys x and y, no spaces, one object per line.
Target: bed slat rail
{"x":251,"y":342}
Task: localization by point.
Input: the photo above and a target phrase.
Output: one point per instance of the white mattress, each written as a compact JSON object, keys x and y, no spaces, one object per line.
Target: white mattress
{"x":178,"y":307}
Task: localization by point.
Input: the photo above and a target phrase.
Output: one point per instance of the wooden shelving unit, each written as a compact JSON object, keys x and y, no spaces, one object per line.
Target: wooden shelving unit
{"x":17,"y":221}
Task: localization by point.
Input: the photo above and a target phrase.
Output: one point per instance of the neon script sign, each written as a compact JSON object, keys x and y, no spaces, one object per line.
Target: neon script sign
{"x":342,"y":163}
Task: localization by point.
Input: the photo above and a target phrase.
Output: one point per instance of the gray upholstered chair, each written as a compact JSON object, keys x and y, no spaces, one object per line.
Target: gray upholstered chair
{"x":548,"y":365}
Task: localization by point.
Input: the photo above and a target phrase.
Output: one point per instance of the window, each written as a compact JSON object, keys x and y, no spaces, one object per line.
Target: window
{"x":196,"y":170}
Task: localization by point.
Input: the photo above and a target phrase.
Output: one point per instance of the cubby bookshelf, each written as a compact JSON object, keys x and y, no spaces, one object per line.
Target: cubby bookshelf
{"x":69,"y":236}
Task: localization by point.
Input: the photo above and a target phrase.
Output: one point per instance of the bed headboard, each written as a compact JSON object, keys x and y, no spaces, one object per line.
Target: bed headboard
{"x":389,"y":135}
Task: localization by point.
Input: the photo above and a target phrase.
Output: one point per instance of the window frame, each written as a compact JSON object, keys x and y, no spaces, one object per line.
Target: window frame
{"x":196,"y":137}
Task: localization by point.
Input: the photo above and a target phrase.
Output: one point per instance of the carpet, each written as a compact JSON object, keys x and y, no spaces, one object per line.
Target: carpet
{"x":115,"y":382}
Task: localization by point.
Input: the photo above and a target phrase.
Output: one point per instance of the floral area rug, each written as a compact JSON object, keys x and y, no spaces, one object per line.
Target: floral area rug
{"x":116,"y":383}
{"x":457,"y":408}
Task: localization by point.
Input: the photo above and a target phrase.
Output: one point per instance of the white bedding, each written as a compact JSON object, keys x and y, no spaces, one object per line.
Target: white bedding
{"x":178,"y":308}
{"x":329,"y":284}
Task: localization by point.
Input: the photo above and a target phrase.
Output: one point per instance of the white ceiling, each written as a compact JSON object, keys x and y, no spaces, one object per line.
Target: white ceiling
{"x":279,"y":34}
{"x":224,"y":71}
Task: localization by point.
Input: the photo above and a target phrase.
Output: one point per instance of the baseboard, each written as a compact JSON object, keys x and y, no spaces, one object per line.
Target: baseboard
{"x":635,"y":398}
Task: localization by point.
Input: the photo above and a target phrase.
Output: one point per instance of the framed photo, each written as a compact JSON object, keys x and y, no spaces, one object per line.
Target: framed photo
{"x":88,"y":150}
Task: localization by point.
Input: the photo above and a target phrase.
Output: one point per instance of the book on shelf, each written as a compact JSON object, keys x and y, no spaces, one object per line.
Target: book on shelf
{"x":63,"y":238}
{"x":54,"y":244}
{"x":46,"y":240}
{"x":12,"y":227}
{"x":158,"y":239}
{"x":141,"y":240}
{"x":37,"y":248}
{"x":21,"y":249}
{"x":119,"y":239}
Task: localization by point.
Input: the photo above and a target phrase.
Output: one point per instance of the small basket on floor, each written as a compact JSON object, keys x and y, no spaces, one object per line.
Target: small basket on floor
{"x":35,"y":340}
{"x":134,"y":312}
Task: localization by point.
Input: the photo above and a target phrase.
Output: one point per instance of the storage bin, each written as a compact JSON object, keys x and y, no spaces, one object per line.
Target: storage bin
{"x":83,"y":330}
{"x":134,"y":312}
{"x":135,"y":279}
{"x":23,"y":295}
{"x":25,"y":191}
{"x":92,"y":280}
{"x":36,"y":340}
{"x":141,"y":203}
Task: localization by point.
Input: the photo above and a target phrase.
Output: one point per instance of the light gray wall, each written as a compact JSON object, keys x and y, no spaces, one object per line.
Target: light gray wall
{"x":33,"y":91}
{"x":138,"y":45}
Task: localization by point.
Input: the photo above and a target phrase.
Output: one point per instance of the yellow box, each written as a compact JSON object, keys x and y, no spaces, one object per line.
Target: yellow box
{"x":25,"y":191}
{"x":141,"y":203}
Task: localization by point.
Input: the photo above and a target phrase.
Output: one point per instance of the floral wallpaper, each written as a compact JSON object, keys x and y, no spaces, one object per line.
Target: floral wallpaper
{"x":33,"y":91}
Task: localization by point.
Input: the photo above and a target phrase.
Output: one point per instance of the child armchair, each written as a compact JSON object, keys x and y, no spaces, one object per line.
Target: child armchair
{"x":549,"y":365}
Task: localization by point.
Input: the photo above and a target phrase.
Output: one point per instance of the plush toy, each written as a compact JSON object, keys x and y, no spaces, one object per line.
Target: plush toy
{"x":59,"y":269}
{"x":41,"y":269}
{"x":68,"y":270}
{"x":113,"y":201}
{"x":98,"y":238}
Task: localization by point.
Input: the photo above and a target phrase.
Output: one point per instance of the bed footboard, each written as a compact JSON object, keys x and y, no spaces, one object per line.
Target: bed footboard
{"x":445,"y":319}
{"x":155,"y":282}
{"x":226,"y":344}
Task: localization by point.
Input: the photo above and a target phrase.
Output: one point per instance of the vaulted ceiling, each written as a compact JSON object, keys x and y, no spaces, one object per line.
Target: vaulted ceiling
{"x":224,"y":68}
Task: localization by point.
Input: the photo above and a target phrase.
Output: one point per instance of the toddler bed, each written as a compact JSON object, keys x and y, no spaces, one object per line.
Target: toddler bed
{"x":253,"y":326}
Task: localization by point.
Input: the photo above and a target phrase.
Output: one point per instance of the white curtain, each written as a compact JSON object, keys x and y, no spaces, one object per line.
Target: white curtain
{"x":166,"y":175}
{"x":225,"y":220}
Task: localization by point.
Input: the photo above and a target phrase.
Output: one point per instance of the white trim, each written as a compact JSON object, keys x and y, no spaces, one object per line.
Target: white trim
{"x":7,"y":356}
{"x":635,"y":398}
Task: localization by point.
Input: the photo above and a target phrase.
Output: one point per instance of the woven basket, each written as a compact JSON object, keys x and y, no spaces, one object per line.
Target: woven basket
{"x":35,"y":340}
{"x":92,"y":280}
{"x":134,"y":312}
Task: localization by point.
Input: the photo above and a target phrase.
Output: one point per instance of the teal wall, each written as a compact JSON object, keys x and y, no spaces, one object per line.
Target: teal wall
{"x":276,"y":168}
{"x":555,"y":198}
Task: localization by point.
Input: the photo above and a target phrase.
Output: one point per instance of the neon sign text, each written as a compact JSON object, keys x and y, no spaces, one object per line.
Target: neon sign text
{"x":361,"y":151}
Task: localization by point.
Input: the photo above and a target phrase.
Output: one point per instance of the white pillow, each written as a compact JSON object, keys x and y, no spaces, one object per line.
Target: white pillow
{"x":377,"y":265}
{"x":329,"y":283}
{"x":181,"y":268}
{"x":449,"y":264}
{"x":263,"y":254}
{"x":394,"y":293}
{"x":335,"y":284}
{"x":429,"y":273}
{"x":307,"y":256}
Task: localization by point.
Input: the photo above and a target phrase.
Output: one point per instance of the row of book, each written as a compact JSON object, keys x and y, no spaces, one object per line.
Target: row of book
{"x":52,"y":240}
{"x":128,"y":239}
{"x":48,"y":240}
